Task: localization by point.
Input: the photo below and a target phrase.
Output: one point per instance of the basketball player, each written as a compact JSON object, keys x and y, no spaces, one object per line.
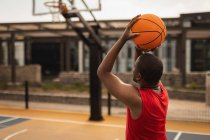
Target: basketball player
{"x":146,"y":104}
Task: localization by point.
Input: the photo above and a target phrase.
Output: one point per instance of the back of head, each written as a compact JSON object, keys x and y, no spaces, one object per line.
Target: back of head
{"x":151,"y":68}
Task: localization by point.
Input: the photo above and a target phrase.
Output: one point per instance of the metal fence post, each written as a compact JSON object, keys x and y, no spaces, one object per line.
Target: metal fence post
{"x":26,"y":95}
{"x":109,"y":105}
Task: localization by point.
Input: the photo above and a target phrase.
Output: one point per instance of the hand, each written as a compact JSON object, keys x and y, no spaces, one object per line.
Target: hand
{"x":127,"y":33}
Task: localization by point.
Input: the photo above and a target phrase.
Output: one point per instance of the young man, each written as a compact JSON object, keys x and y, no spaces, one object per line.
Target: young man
{"x":147,"y":104}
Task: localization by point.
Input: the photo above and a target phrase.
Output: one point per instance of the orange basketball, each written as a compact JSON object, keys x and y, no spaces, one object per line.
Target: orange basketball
{"x":152,"y":31}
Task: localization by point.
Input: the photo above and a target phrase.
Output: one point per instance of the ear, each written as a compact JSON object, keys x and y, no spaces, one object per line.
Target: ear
{"x":138,"y":77}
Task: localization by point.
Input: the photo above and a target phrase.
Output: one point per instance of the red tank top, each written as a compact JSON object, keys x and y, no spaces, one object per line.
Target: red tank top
{"x":151,"y":123}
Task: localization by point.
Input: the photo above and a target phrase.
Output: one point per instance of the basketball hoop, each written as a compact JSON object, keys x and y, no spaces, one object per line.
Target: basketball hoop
{"x":56,"y":8}
{"x":57,"y":5}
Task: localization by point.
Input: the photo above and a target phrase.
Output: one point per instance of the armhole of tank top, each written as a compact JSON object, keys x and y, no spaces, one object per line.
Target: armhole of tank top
{"x":138,"y":90}
{"x":140,"y":116}
{"x":161,"y":87}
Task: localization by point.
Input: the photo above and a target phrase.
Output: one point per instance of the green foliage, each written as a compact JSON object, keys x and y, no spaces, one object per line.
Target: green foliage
{"x":10,"y":86}
{"x":194,"y":86}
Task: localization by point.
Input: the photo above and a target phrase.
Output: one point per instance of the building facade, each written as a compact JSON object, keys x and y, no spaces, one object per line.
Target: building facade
{"x":56,"y":47}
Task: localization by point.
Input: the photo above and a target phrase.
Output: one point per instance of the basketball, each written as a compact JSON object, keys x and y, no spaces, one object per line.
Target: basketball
{"x":152,"y":32}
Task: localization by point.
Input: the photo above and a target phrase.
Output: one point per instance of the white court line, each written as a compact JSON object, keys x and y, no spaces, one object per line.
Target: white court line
{"x":92,"y":123}
{"x":178,"y":136}
{"x":71,"y":121}
{"x":79,"y":122}
{"x":14,"y":134}
{"x":189,"y":132}
{"x":7,"y":120}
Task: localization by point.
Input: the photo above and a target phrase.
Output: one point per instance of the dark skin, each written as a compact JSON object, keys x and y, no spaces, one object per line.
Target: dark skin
{"x":137,"y":76}
{"x":122,"y":91}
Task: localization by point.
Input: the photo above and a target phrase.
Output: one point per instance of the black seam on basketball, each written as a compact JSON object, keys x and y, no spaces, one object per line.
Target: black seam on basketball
{"x":163,"y":31}
{"x":151,"y":41}
{"x":160,"y":33}
{"x":147,"y":31}
{"x":161,"y":36}
{"x":152,"y":22}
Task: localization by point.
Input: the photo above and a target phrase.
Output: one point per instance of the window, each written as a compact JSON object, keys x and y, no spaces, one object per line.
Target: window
{"x":200,"y":55}
{"x":167,"y":52}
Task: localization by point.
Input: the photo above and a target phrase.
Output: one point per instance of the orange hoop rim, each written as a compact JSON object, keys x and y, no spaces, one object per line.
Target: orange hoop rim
{"x":52,"y":4}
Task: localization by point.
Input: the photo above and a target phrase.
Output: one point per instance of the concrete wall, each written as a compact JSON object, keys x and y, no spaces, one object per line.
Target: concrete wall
{"x":74,"y":77}
{"x":169,"y":79}
{"x":32,"y":73}
{"x":172,"y":81}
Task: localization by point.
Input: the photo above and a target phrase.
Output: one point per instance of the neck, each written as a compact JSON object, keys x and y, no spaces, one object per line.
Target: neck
{"x":153,"y":86}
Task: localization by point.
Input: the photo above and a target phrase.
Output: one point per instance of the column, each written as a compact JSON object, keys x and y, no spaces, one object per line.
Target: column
{"x":80,"y":57}
{"x":27,"y":51}
{"x":188,"y":56}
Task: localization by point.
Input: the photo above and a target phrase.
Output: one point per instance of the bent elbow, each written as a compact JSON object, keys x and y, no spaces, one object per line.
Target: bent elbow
{"x":102,"y":74}
{"x":99,"y":72}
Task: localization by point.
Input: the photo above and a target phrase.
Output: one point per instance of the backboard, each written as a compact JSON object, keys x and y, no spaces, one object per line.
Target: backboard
{"x":40,"y":8}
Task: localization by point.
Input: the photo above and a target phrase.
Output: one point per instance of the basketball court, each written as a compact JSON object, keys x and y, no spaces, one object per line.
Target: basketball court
{"x":19,"y":124}
{"x":22,"y":124}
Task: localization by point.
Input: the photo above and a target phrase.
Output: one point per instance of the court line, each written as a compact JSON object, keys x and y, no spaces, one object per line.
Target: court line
{"x":189,"y":132}
{"x":79,"y":122}
{"x":7,"y":120}
{"x":70,"y":121}
{"x":15,"y":133}
{"x":178,"y":136}
{"x":92,"y":123}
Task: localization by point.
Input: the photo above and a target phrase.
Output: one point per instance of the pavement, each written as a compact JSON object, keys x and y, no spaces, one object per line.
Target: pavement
{"x":21,"y":124}
{"x":178,"y":109}
{"x":187,"y":120}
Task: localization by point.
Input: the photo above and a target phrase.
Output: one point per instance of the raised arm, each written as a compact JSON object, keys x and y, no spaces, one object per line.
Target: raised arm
{"x":122,"y":91}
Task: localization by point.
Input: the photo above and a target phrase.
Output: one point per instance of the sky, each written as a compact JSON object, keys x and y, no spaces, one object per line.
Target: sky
{"x":13,"y":11}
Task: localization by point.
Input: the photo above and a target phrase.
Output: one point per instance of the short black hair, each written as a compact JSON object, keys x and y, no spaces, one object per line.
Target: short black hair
{"x":151,"y":68}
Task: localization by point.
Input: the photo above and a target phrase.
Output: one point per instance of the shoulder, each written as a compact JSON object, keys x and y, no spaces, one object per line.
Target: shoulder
{"x":136,"y":106}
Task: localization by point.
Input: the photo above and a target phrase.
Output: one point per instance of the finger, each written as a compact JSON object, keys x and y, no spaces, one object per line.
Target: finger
{"x":134,"y":20}
{"x":139,"y":48}
{"x":133,"y":35}
{"x":136,"y":17}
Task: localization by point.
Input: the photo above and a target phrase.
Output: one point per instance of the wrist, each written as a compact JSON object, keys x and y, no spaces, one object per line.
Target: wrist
{"x":139,"y":50}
